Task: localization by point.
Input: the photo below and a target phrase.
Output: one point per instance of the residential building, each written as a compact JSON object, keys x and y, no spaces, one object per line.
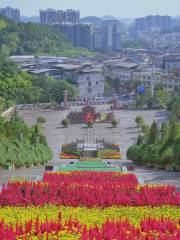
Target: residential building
{"x":97,"y":38}
{"x":111,"y":35}
{"x":86,"y":76}
{"x":12,"y":13}
{"x":79,"y":34}
{"x":90,"y":83}
{"x":52,"y":16}
{"x":72,"y":16}
{"x":46,"y":72}
{"x":48,"y":16}
{"x":170,"y":62}
{"x":149,"y":23}
{"x":121,"y":70}
{"x":145,"y":75}
{"x":170,"y":82}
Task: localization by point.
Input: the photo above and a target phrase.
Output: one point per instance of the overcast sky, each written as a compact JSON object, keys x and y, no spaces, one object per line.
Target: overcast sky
{"x":118,"y":8}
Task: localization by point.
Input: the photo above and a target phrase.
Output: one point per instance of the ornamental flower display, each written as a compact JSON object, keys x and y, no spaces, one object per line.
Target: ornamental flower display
{"x":73,"y":229}
{"x":64,"y":155}
{"x":89,"y":206}
{"x":86,"y":189}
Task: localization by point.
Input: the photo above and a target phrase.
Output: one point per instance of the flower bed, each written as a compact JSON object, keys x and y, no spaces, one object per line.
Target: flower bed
{"x":89,"y":205}
{"x":70,"y":154}
{"x":64,"y":155}
{"x":89,"y":189}
{"x":149,"y":228}
{"x":109,"y":154}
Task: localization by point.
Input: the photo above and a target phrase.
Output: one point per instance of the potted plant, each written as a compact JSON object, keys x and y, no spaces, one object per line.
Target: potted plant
{"x":65,"y":122}
{"x":90,"y":124}
{"x":114,"y":123}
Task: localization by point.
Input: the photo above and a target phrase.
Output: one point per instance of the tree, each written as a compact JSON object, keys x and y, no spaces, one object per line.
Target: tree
{"x":177,"y":151}
{"x":145,"y":128}
{"x":57,"y":88}
{"x":164,"y":132}
{"x":162,"y":98}
{"x":107,"y":88}
{"x":2,"y":104}
{"x":176,"y":107}
{"x":141,"y":101}
{"x":153,"y":133}
{"x":139,"y":121}
{"x":139,"y":140}
{"x":34,"y":38}
{"x":174,"y":131}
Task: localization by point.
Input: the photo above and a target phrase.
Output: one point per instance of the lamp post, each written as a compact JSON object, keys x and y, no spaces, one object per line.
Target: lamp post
{"x":65,"y":93}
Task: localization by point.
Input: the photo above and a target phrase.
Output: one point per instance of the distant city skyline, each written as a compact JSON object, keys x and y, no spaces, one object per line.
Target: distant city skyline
{"x":117,"y":8}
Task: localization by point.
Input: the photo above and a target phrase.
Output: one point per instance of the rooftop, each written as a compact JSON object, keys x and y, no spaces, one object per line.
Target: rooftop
{"x":126,"y":65}
{"x":68,"y":66}
{"x":114,"y":61}
{"x":91,"y":70}
{"x":41,"y":70}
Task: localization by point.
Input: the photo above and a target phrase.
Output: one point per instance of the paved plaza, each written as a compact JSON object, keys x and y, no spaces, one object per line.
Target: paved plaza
{"x":125,"y":134}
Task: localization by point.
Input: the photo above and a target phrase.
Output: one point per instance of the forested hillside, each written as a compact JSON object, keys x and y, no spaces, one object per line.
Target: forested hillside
{"x":34,"y":38}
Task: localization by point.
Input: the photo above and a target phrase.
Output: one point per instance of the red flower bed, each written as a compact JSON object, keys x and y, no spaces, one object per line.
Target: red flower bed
{"x":149,"y":229}
{"x":93,"y":178}
{"x":89,"y":189}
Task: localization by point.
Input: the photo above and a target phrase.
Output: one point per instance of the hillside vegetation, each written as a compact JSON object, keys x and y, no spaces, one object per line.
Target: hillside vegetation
{"x":34,"y":38}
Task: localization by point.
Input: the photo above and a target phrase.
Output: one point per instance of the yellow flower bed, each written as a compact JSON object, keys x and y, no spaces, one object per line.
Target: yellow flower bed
{"x":86,"y":216}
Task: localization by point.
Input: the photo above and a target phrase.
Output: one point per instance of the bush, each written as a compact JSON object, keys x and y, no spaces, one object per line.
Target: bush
{"x":41,"y":120}
{"x":167,"y":156}
{"x":139,"y":121}
{"x":134,"y":153}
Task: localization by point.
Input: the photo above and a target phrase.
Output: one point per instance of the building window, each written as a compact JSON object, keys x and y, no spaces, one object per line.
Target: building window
{"x":97,"y":82}
{"x":89,"y":90}
{"x":88,"y":78}
{"x":89,"y":84}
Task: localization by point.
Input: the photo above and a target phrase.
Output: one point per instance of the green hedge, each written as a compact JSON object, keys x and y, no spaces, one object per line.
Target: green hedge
{"x":153,"y":155}
{"x":23,"y":153}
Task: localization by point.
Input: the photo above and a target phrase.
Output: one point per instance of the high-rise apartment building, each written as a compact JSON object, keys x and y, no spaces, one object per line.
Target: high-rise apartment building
{"x":79,"y":34}
{"x":51,"y":16}
{"x":111,"y":35}
{"x":12,"y":13}
{"x":72,"y":16}
{"x":163,"y":23}
{"x":97,"y":38}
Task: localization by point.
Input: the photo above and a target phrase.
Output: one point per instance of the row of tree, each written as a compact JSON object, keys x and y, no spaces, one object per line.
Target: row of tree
{"x":158,"y":146}
{"x":21,"y":145}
